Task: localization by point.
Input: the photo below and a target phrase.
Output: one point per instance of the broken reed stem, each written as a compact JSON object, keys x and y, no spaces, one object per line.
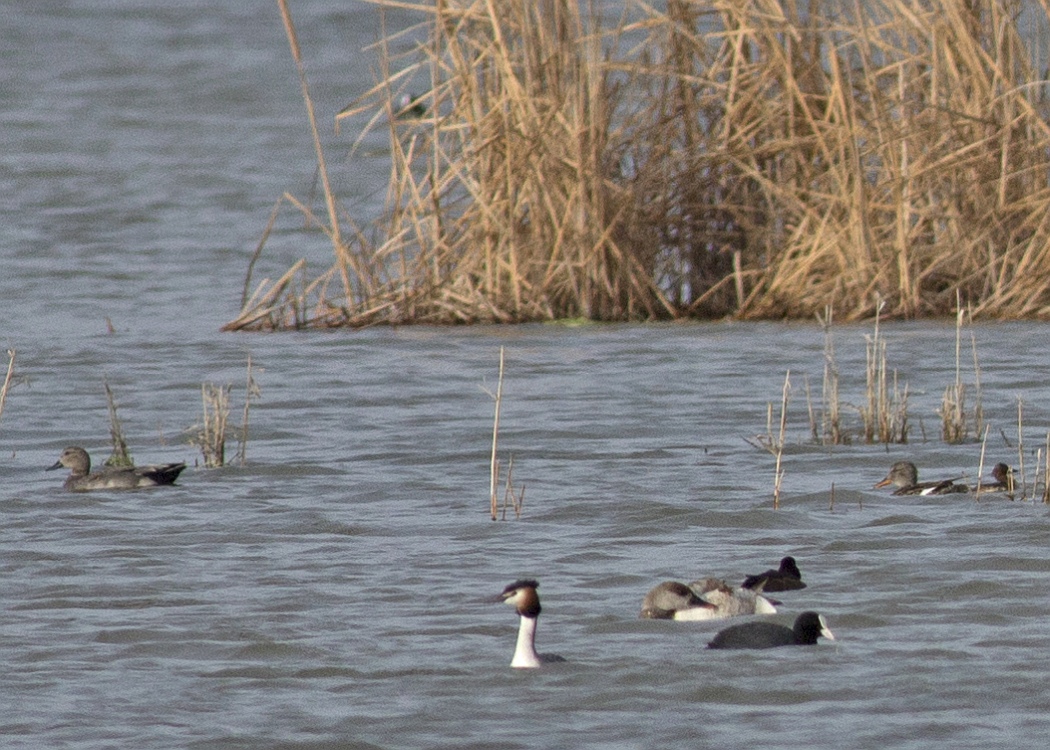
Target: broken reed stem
{"x":978,"y":407}
{"x":875,"y":365}
{"x":958,"y":339}
{"x":509,"y":498}
{"x":493,"y":462}
{"x":778,"y":476}
{"x":322,"y":168}
{"x":831,"y":426}
{"x":120,"y":455}
{"x":953,"y":403}
{"x":211,"y":438}
{"x":883,"y":420}
{"x":258,"y":251}
{"x":980,"y":467}
{"x":813,"y":430}
{"x":1046,"y":470}
{"x":7,"y":379}
{"x":900,"y":411}
{"x":1020,"y":447}
{"x":251,"y":391}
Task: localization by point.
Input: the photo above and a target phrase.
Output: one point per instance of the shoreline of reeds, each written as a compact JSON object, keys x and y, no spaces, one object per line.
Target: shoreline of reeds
{"x":743,"y":160}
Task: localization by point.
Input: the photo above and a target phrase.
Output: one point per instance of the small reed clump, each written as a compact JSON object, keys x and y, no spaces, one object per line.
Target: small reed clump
{"x":211,"y":433}
{"x":885,"y":417}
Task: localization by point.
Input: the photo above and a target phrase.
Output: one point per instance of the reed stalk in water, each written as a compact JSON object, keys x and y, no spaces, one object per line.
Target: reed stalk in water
{"x":493,"y":459}
{"x":120,"y":456}
{"x":251,"y":391}
{"x":1046,"y":470}
{"x":884,"y":418}
{"x":7,"y":379}
{"x":778,"y":474}
{"x":511,"y":498}
{"x":516,"y":501}
{"x":1020,"y":447}
{"x":211,"y":435}
{"x":831,"y":419}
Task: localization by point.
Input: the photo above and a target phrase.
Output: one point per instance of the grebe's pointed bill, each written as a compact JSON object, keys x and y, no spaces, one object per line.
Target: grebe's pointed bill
{"x":523,"y":597}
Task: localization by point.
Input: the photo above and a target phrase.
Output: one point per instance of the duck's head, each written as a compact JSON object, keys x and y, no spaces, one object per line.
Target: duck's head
{"x":902,"y":474}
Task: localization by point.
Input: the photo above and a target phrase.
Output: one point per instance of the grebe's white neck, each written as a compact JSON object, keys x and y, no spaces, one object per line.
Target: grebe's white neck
{"x":523,"y":597}
{"x":525,"y":655}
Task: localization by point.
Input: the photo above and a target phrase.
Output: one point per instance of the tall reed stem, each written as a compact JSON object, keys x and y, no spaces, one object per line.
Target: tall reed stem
{"x":493,"y":460}
{"x":7,"y":379}
{"x":778,"y":476}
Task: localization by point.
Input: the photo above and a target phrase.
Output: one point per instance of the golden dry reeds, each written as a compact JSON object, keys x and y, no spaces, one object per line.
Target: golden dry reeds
{"x":211,"y":433}
{"x":725,"y":158}
{"x":885,"y":417}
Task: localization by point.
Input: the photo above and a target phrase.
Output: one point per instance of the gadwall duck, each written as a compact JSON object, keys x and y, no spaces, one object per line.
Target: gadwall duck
{"x":787,"y":578}
{"x":808,"y":627}
{"x":81,"y":479}
{"x":905,"y":477}
{"x":1004,"y":480}
{"x":706,"y":599}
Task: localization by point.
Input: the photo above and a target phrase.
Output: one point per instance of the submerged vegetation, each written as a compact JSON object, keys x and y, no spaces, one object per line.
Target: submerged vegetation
{"x":756,"y":160}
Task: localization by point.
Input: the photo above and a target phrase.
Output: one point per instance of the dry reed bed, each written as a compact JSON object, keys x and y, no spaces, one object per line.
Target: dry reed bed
{"x":722,"y":158}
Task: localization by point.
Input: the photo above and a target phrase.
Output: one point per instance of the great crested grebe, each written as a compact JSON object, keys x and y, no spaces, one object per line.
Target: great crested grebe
{"x":523,"y":597}
{"x":787,"y":578}
{"x":706,"y":599}
{"x":808,"y":627}
{"x":81,"y":479}
{"x":905,"y":477}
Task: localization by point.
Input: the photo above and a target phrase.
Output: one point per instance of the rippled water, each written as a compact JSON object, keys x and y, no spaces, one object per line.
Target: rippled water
{"x":336,"y":591}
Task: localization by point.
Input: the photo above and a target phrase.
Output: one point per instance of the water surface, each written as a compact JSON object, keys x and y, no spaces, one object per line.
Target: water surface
{"x":336,"y":590}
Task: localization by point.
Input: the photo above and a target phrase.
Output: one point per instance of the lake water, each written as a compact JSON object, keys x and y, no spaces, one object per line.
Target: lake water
{"x":336,"y":590}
